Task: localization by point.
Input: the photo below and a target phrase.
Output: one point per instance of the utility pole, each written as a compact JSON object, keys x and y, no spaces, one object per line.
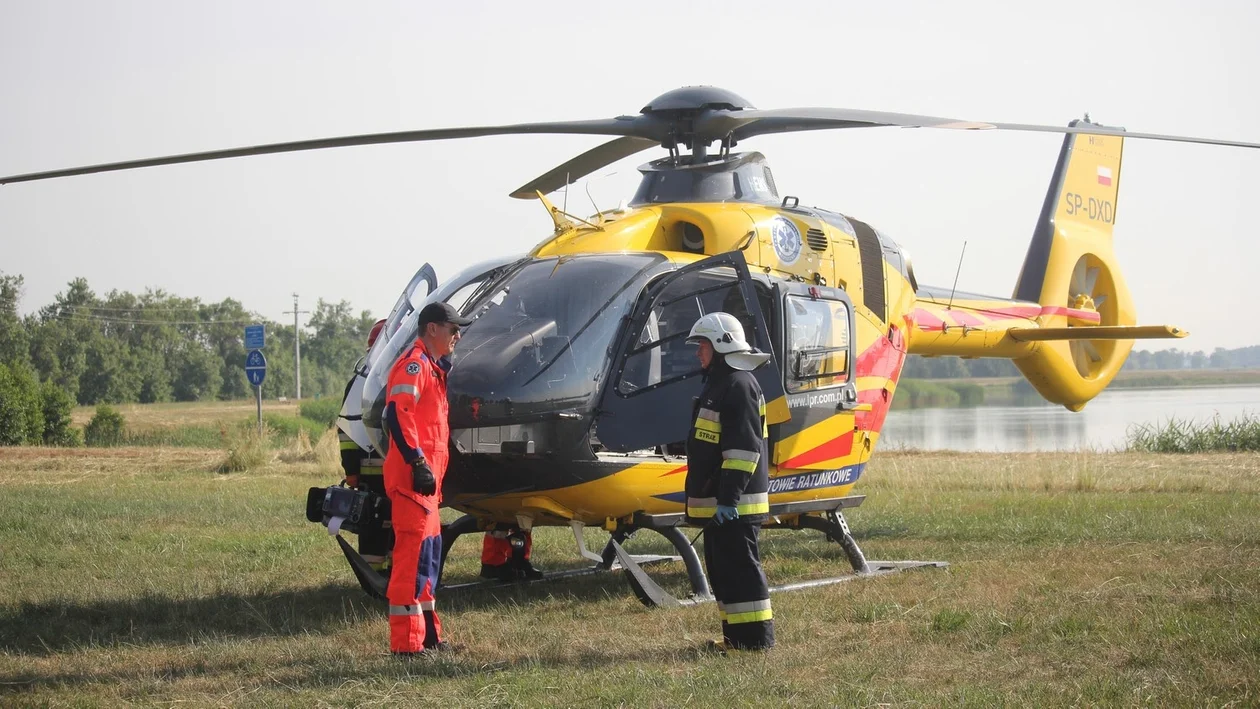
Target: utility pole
{"x":297,"y":347}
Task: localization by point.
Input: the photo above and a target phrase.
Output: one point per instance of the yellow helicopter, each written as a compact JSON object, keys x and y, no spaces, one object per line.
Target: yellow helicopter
{"x":571,"y":389}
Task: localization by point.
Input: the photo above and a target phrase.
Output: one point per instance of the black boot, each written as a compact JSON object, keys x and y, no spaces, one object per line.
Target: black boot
{"x":500,"y":572}
{"x":526,"y":570}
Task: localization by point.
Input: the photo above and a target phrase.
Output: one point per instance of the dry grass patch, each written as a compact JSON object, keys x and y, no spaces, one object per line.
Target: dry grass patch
{"x":144,"y":417}
{"x":58,"y":466}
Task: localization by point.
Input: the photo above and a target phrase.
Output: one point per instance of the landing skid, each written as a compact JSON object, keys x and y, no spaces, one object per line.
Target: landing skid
{"x":831,"y":523}
{"x":614,"y":556}
{"x":557,"y":575}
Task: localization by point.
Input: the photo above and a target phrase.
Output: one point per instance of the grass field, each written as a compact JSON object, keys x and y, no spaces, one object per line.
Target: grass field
{"x":140,"y":575}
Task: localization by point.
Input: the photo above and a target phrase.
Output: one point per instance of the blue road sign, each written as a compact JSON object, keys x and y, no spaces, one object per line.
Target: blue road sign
{"x":255,"y":366}
{"x":254,"y":337}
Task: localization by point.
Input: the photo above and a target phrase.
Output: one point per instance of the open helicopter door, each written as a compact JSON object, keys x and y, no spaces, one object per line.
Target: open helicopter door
{"x":350,"y":418}
{"x":647,"y":400}
{"x":458,"y":291}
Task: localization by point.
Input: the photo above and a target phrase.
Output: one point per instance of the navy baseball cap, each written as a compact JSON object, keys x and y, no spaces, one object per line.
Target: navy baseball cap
{"x":440,"y":313}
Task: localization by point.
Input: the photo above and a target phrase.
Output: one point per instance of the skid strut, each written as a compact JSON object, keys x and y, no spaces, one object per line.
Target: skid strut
{"x":608,"y":560}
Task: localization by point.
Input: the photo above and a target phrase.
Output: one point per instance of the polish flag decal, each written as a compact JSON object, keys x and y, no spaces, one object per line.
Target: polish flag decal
{"x":1104,"y":176}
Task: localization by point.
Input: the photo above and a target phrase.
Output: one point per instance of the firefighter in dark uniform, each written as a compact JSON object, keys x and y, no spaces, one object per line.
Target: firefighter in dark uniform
{"x":362,"y":468}
{"x":728,"y":479}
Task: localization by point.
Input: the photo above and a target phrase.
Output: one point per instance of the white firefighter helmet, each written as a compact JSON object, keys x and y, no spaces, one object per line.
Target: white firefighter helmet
{"x":726,"y":334}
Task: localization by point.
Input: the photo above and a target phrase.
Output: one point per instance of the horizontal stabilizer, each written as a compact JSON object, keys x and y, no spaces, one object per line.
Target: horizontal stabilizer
{"x":1113,"y":332}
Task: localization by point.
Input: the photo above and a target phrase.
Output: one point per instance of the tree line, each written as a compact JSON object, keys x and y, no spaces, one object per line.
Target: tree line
{"x":152,"y":347}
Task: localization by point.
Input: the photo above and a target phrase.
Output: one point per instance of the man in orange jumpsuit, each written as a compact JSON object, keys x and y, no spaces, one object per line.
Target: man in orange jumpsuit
{"x":416,"y":415}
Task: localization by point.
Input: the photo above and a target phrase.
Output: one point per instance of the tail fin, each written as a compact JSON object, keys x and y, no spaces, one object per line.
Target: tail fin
{"x":1071,"y":270}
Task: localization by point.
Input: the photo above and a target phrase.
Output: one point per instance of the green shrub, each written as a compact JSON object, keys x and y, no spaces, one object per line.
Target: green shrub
{"x":107,"y":427}
{"x":58,"y":430}
{"x":21,"y":407}
{"x":323,"y":410}
{"x":12,"y":416}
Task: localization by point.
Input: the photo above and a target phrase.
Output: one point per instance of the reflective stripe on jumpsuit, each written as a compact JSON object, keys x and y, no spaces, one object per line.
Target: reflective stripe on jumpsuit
{"x":416,"y":410}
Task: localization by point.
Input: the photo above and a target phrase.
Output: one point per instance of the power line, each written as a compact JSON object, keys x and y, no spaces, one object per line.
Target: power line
{"x":128,"y":321}
{"x":143,"y":308}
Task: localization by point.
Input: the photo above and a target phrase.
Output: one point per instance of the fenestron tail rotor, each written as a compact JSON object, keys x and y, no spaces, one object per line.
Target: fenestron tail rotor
{"x":1086,"y":291}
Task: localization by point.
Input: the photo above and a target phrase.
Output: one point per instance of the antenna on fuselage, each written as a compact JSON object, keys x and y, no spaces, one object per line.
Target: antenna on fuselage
{"x":598,"y":214}
{"x":951,"y":290}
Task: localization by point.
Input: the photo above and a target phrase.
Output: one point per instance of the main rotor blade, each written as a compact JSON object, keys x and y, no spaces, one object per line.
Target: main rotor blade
{"x":749,"y":123}
{"x":583,"y":165}
{"x":1092,"y":129}
{"x":605,"y":126}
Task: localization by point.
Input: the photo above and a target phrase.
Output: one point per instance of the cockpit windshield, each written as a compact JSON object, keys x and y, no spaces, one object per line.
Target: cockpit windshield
{"x":541,"y":337}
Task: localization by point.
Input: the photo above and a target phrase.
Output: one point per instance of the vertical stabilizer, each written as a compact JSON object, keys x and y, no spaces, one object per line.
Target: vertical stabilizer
{"x":1071,"y":270}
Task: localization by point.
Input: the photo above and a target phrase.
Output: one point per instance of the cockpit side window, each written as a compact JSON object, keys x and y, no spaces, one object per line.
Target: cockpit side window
{"x":818,"y":354}
{"x":660,"y":353}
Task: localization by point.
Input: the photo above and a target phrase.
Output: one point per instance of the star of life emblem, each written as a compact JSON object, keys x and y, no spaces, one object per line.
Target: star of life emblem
{"x":786,"y":239}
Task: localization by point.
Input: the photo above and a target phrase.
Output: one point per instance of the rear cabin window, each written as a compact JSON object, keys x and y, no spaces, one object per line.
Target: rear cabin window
{"x":818,"y":354}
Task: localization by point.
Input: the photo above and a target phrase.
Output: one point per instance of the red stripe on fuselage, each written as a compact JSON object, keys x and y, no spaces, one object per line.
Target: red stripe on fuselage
{"x":835,"y":448}
{"x":884,"y":358}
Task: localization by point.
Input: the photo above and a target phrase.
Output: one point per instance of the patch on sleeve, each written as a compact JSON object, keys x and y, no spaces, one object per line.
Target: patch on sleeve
{"x":413,"y":368}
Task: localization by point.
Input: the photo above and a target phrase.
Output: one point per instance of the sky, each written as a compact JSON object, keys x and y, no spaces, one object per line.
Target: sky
{"x":85,"y":82}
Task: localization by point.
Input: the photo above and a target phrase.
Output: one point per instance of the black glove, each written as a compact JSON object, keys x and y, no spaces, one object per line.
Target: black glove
{"x":422,"y":480}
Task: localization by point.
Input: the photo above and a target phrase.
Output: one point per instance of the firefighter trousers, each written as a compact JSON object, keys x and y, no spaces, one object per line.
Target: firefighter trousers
{"x":413,"y":619}
{"x":733,"y":562}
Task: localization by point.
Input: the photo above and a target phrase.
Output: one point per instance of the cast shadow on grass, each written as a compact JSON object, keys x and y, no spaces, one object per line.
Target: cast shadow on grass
{"x":48,"y":628}
{"x":380,"y":670}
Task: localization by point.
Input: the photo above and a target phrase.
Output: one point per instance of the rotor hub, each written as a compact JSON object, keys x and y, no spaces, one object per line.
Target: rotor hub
{"x":694,"y":99}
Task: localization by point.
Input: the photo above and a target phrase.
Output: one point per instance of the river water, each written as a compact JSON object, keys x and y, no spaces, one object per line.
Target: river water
{"x":1102,"y":425}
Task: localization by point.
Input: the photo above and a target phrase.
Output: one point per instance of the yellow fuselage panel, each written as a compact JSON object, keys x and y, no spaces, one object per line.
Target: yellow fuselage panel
{"x":720,"y":227}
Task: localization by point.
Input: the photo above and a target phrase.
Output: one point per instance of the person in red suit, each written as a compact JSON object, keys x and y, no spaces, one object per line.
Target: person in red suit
{"x":416,"y":414}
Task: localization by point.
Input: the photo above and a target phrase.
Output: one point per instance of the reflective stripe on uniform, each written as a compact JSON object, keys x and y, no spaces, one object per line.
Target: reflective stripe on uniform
{"x":757,"y":503}
{"x":736,"y":459}
{"x":347,"y":443}
{"x":372,"y":466}
{"x":701,"y":506}
{"x":748,"y":612}
{"x":416,"y":609}
{"x":708,"y":428}
{"x":405,"y":389}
